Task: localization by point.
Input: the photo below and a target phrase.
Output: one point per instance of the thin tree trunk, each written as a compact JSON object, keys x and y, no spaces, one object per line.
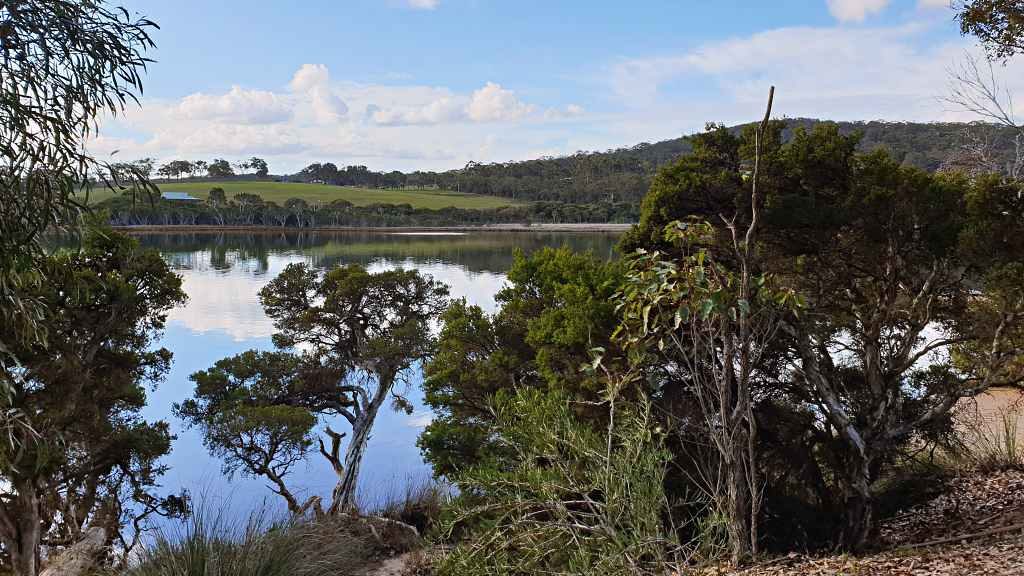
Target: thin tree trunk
{"x":24,"y":557}
{"x":739,"y":505}
{"x":344,"y":494}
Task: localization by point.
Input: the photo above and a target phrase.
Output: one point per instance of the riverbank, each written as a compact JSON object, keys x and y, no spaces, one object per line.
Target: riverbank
{"x":568,"y":227}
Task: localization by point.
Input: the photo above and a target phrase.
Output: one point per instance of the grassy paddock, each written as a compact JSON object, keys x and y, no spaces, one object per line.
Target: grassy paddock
{"x":278,"y":192}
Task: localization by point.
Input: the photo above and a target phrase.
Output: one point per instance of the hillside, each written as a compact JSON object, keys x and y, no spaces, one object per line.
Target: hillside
{"x":624,"y":174}
{"x":279,"y":192}
{"x":615,"y":178}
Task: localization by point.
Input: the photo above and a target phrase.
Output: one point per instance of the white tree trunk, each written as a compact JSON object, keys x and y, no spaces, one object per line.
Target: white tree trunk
{"x":80,"y":558}
{"x":344,"y":494}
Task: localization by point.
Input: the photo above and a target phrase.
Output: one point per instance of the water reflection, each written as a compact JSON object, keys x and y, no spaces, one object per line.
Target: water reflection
{"x":476,"y":252}
{"x":223,"y":273}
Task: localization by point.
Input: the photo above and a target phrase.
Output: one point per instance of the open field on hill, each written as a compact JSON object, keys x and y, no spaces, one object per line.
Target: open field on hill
{"x":279,"y":192}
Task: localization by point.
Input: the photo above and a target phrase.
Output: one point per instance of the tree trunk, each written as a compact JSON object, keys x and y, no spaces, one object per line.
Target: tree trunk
{"x":858,"y":516}
{"x":343,"y":497}
{"x":344,"y":494}
{"x":80,"y":558}
{"x":25,"y":555}
{"x":739,"y":516}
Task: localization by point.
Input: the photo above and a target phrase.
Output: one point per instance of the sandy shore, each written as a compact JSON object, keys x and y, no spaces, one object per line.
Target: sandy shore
{"x":607,"y":227}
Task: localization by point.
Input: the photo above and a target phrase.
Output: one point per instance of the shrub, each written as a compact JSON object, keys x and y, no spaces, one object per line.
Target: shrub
{"x":419,"y":503}
{"x":995,"y":446}
{"x":570,"y":500}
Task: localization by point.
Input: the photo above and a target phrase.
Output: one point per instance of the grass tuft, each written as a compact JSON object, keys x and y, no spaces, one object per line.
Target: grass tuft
{"x":209,"y":543}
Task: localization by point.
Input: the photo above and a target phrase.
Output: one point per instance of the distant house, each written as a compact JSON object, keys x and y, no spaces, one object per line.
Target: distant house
{"x":179,"y":197}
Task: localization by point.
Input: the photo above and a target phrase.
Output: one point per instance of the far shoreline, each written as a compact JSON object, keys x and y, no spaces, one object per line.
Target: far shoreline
{"x":567,"y":227}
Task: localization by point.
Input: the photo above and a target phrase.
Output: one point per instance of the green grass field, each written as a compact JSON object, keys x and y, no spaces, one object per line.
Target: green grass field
{"x":278,"y":192}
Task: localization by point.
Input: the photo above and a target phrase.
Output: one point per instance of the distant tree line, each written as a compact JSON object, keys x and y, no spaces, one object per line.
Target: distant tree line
{"x":216,"y":168}
{"x":252,"y":210}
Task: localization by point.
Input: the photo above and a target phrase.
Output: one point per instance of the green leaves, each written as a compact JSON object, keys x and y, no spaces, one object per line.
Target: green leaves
{"x":76,"y":413}
{"x":556,"y":313}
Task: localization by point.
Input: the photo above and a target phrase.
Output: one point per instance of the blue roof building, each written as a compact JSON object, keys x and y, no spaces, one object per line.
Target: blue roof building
{"x":179,"y":196}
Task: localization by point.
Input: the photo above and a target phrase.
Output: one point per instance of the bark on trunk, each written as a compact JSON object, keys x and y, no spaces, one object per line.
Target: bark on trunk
{"x":859,"y":512}
{"x":739,"y":517}
{"x":344,"y":494}
{"x":343,"y":497}
{"x":80,"y":558}
{"x":25,"y":555}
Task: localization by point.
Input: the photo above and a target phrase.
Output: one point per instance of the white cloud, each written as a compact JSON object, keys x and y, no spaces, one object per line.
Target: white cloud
{"x":318,"y":118}
{"x":419,"y":419}
{"x":442,"y":110}
{"x":494,"y":103}
{"x":933,"y":3}
{"x":238,"y":105}
{"x":570,"y":111}
{"x":424,"y":4}
{"x":312,"y":82}
{"x":326,"y":105}
{"x":308,"y":77}
{"x":855,"y":10}
{"x":842,"y":73}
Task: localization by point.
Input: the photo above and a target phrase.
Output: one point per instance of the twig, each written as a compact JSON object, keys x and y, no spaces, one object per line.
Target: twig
{"x":963,"y":537}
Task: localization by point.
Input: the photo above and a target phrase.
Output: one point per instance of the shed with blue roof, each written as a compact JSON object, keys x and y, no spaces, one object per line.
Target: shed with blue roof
{"x":179,"y":197}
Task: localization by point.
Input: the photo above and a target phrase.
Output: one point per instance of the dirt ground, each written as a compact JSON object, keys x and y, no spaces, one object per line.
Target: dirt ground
{"x":976,"y":527}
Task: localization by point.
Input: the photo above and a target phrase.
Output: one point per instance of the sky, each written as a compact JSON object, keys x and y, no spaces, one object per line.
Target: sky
{"x":434,"y":84}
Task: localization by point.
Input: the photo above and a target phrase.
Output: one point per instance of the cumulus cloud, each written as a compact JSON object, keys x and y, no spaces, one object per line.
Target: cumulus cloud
{"x":494,"y":103}
{"x":318,"y":118}
{"x":934,"y":3}
{"x":442,"y":110}
{"x":308,"y":77}
{"x":238,"y":105}
{"x":424,"y":4}
{"x":855,"y":10}
{"x":312,"y":81}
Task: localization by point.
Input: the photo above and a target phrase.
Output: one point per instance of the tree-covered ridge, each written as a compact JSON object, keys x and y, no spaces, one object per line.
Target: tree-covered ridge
{"x":624,"y":174}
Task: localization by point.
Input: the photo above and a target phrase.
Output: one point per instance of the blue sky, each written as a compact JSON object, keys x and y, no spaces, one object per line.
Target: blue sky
{"x":432,"y":84}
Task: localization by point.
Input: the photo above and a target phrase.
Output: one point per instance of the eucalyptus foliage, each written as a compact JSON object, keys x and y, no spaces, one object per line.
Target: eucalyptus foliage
{"x":63,"y":64}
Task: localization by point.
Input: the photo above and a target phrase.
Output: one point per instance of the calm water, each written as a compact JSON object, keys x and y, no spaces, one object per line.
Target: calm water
{"x":224,"y":272}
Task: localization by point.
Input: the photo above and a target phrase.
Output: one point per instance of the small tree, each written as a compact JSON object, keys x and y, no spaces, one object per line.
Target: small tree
{"x":259,"y":166}
{"x":219,"y":168}
{"x":257,"y":411}
{"x":360,"y":333}
{"x":716,"y":318}
{"x":904,"y":275}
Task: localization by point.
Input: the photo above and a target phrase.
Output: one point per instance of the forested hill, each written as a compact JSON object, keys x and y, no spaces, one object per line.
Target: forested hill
{"x":623,"y":175}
